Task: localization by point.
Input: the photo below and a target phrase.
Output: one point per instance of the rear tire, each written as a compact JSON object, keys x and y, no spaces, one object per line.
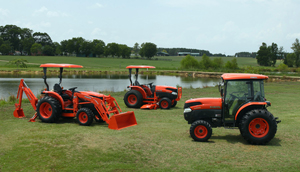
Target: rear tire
{"x":48,"y":109}
{"x":133,"y":99}
{"x":200,"y":131}
{"x":84,"y":116}
{"x":258,"y":127}
{"x":165,"y":103}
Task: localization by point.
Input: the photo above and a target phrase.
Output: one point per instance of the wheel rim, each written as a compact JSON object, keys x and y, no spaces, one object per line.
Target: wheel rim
{"x":258,"y":127}
{"x":164,"y":104}
{"x":200,"y":131}
{"x":83,"y":117}
{"x":132,"y":99}
{"x":45,"y":110}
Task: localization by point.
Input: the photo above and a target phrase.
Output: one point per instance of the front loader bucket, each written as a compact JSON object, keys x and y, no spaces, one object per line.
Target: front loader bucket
{"x":18,"y":113}
{"x":122,"y":120}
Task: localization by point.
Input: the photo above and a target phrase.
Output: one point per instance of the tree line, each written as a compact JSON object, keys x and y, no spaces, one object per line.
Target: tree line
{"x":27,"y":42}
{"x":268,"y":55}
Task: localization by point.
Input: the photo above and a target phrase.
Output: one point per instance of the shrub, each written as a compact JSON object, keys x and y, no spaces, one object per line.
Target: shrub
{"x":232,"y":64}
{"x":282,"y":67}
{"x":189,"y":62}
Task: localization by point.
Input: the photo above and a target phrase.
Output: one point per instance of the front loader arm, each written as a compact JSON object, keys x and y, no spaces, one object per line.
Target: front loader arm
{"x":18,"y":113}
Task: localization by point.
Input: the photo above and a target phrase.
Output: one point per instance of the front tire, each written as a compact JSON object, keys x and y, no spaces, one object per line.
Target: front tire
{"x":133,"y":99}
{"x":201,"y":131}
{"x":165,"y":103}
{"x":84,"y":116}
{"x":48,"y":109}
{"x":258,"y":127}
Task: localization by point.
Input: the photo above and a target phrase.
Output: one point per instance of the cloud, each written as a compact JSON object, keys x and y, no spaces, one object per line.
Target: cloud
{"x":4,"y":12}
{"x":98,"y":31}
{"x":99,"y":5}
{"x":48,"y":13}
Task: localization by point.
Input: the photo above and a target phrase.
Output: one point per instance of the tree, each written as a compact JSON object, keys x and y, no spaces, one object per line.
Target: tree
{"x":86,"y":48}
{"x":124,"y":50}
{"x":56,"y":47}
{"x":296,"y":49}
{"x":263,"y":55}
{"x":98,"y":47}
{"x":136,"y":49}
{"x":217,"y":63}
{"x":149,"y":50}
{"x":74,"y":45}
{"x":205,"y":62}
{"x":27,"y":43}
{"x":189,"y":62}
{"x":63,"y":46}
{"x":36,"y":49}
{"x":232,"y":64}
{"x":42,"y":38}
{"x":48,"y":50}
{"x":273,"y":53}
{"x":5,"y":48}
{"x":112,"y":49}
{"x":290,"y":59}
{"x":11,"y":33}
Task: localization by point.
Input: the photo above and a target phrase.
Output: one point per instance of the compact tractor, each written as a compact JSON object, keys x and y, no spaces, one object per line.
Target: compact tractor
{"x":242,"y":104}
{"x":86,"y":106}
{"x":149,"y":96}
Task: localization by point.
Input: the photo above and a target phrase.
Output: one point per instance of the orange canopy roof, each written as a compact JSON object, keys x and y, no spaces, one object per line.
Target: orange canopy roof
{"x":61,"y":65}
{"x":238,"y":76}
{"x":138,"y":66}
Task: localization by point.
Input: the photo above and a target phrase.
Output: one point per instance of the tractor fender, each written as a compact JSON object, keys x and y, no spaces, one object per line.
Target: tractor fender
{"x":56,"y":96}
{"x":139,"y":89}
{"x":247,"y":105}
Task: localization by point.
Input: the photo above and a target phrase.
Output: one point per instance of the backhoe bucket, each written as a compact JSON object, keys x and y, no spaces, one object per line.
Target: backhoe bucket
{"x":18,"y":113}
{"x":122,"y":120}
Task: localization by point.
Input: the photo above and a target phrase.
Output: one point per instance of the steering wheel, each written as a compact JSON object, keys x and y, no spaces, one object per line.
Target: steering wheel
{"x":72,"y":89}
{"x":150,"y":84}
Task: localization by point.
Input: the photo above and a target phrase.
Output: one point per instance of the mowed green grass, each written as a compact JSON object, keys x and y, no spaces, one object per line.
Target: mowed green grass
{"x":160,"y":141}
{"x":112,"y":64}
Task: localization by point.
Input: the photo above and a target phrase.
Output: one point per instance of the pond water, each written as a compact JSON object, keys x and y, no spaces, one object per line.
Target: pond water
{"x":107,"y":82}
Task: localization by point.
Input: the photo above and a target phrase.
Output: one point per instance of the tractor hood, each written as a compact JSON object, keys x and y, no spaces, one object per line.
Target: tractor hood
{"x":204,"y":103}
{"x":93,"y":94}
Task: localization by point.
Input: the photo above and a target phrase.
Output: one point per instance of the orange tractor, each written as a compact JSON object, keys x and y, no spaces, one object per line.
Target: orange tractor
{"x":149,"y":96}
{"x":242,"y":104}
{"x":84,"y":105}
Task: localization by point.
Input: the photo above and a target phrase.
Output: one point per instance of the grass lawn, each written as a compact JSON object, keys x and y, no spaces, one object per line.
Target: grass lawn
{"x":115,"y":64}
{"x":160,"y":141}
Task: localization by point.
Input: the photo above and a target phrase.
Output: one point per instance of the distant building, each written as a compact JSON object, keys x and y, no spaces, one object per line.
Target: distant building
{"x":183,"y":53}
{"x":162,"y":54}
{"x":187,"y":53}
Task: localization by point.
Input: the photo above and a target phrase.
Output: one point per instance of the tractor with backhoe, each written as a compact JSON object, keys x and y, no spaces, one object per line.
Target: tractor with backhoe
{"x":149,"y":96}
{"x":86,"y":106}
{"x":242,"y":105}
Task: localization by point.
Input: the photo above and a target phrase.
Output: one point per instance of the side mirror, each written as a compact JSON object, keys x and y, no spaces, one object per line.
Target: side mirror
{"x":221,"y":92}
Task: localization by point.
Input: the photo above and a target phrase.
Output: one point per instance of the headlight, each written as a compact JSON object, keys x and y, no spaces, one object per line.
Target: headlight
{"x":174,"y":93}
{"x":186,"y":110}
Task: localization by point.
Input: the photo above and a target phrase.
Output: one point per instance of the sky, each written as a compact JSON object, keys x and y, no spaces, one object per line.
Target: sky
{"x":219,"y":26}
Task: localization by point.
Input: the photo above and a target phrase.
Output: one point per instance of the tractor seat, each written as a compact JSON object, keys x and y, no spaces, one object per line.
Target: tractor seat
{"x":58,"y":90}
{"x":137,"y":83}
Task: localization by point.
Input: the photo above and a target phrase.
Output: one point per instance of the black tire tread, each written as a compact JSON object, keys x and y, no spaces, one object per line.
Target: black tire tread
{"x":56,"y":107}
{"x":200,"y":122}
{"x":139,"y":99}
{"x":262,"y":113}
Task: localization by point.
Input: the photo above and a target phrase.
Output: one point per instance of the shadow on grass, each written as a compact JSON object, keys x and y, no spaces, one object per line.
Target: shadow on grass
{"x":239,"y":139}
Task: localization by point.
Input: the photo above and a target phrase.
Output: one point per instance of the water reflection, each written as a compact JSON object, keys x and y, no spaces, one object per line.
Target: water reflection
{"x":102,"y":82}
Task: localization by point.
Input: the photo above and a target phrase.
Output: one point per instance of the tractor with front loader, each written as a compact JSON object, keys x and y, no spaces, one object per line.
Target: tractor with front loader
{"x":86,"y":106}
{"x":149,"y":96}
{"x":242,"y":105}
